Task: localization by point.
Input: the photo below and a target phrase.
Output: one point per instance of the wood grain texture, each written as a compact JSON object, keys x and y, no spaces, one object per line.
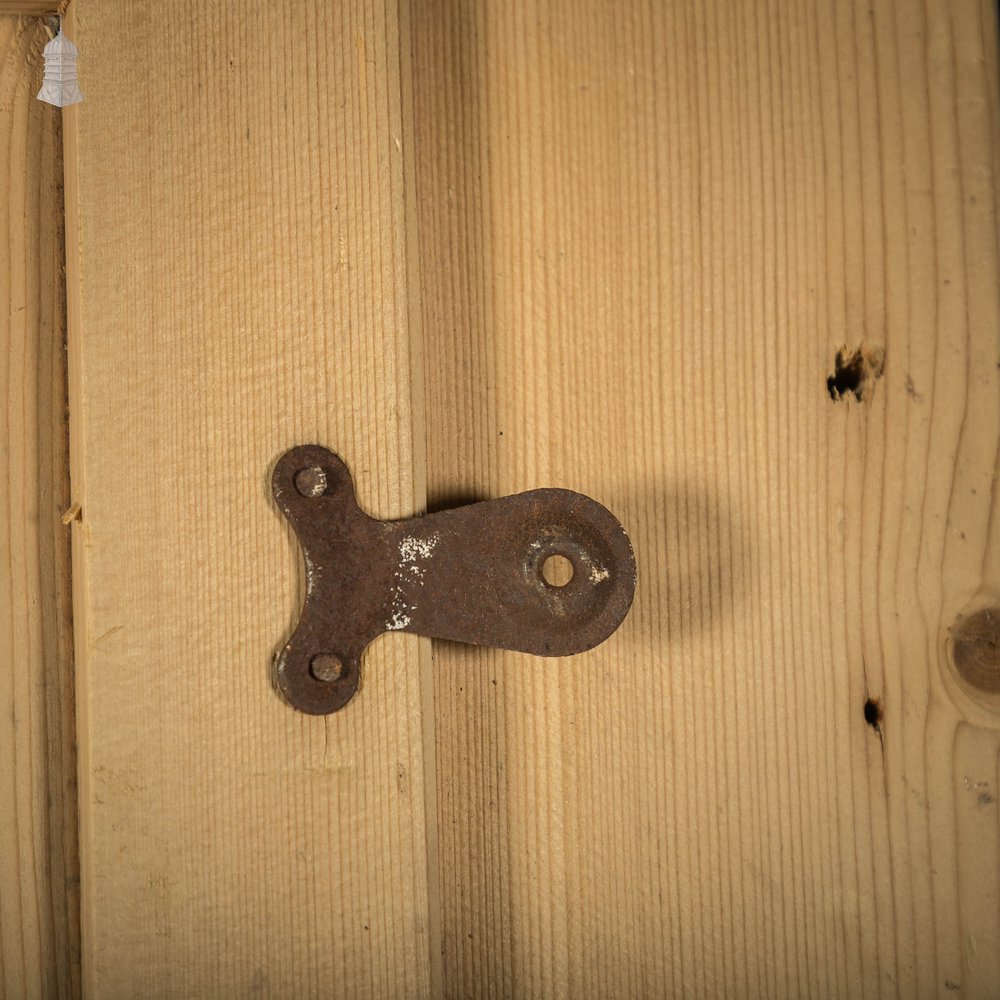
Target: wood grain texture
{"x":39,"y":871}
{"x":645,"y":232}
{"x":243,"y":287}
{"x":30,"y":8}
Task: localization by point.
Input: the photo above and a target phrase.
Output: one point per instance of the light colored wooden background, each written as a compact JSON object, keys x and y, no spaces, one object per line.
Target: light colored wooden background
{"x":39,"y":874}
{"x":243,"y":287}
{"x":646,"y":231}
{"x":480,"y":248}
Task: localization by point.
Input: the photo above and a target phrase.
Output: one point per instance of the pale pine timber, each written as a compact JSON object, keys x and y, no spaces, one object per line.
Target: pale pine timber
{"x":645,"y":231}
{"x":39,"y":869}
{"x":242,"y":288}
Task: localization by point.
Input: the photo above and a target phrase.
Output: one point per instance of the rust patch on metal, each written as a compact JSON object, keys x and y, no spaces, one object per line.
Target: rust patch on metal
{"x":472,"y":574}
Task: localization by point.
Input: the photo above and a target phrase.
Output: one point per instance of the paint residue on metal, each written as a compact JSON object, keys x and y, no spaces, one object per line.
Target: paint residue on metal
{"x":412,"y":548}
{"x":411,"y":551}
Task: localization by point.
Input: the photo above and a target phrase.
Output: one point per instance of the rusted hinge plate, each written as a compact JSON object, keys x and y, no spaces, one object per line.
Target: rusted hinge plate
{"x":472,"y":574}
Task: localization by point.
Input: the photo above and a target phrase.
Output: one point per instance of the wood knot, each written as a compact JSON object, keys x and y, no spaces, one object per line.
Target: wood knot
{"x":975,"y":649}
{"x":856,"y":372}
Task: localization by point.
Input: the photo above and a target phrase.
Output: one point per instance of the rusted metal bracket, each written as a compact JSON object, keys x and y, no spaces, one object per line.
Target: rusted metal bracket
{"x":473,"y":574}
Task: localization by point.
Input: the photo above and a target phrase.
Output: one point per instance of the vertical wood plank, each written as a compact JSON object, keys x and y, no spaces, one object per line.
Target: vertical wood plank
{"x":242,"y":288}
{"x":39,"y":894}
{"x":646,"y":232}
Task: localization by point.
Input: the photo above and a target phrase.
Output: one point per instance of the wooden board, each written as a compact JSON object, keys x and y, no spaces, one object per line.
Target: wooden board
{"x":618,"y":250}
{"x":39,"y":895}
{"x":242,"y":288}
{"x":30,"y":8}
{"x":646,"y":230}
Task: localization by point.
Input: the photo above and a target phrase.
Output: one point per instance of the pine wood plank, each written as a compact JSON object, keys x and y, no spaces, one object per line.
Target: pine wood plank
{"x":29,"y":8}
{"x":647,"y":230}
{"x":242,"y":287}
{"x":39,"y":871}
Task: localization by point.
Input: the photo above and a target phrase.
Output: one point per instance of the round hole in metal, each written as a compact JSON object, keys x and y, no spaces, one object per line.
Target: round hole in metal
{"x":557,"y":570}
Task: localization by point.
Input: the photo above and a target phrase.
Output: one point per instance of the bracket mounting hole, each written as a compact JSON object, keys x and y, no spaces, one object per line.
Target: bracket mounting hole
{"x":312,"y":482}
{"x":326,"y":667}
{"x":557,"y":571}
